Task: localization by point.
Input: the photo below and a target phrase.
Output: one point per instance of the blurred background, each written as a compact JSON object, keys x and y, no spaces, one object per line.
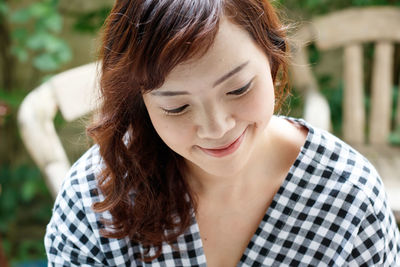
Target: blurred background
{"x":41,"y":38}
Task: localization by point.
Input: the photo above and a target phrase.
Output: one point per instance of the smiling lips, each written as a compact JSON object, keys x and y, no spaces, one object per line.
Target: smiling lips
{"x":225,"y":150}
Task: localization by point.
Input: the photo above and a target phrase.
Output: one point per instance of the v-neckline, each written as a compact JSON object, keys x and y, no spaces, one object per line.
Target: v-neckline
{"x":270,"y":209}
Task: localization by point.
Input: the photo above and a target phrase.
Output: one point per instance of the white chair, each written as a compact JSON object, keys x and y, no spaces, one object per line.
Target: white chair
{"x":349,"y":29}
{"x":74,"y":93}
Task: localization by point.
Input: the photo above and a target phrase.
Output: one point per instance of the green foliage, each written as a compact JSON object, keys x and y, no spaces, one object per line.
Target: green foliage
{"x":334,"y":94}
{"x":293,"y":105}
{"x":90,"y":22}
{"x":25,"y":207}
{"x":317,"y":7}
{"x":394,"y":137}
{"x":36,"y":36}
{"x":25,"y":202}
{"x":12,"y":99}
{"x":3,"y":8}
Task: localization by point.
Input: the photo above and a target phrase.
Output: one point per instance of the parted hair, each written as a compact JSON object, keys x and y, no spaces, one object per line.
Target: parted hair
{"x":143,"y":180}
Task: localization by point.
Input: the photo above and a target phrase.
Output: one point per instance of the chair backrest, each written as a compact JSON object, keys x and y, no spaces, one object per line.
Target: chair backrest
{"x":74,"y":93}
{"x":350,"y":29}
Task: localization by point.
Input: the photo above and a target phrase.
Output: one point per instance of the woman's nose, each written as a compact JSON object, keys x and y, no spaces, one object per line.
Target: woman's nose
{"x":214,"y":123}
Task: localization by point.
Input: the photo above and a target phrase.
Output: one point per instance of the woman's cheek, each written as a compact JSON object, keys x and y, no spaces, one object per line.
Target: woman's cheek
{"x":176,"y":133}
{"x":259,"y":105}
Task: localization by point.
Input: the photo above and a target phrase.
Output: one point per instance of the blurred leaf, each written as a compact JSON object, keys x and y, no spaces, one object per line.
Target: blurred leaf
{"x":6,"y":246}
{"x":46,"y":62}
{"x":20,"y":34}
{"x":38,"y":40}
{"x":312,"y":3}
{"x":53,"y":22}
{"x":40,"y":9}
{"x":92,"y":21}
{"x":55,"y":44}
{"x":3,"y":8}
{"x":394,"y":137}
{"x":29,"y":248}
{"x":313,"y":54}
{"x":24,"y":203}
{"x":64,"y":53}
{"x":21,"y":16}
{"x":28,"y":190}
{"x":334,"y":94}
{"x":41,"y":22}
{"x":20,"y":53}
{"x":52,"y":59}
{"x":13,"y":99}
{"x":10,"y":203}
{"x":50,"y":44}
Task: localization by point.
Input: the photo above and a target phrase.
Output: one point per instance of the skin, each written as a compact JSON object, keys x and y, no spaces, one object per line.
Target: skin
{"x":234,"y":191}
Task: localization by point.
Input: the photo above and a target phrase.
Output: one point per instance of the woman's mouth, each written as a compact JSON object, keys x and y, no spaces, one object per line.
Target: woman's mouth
{"x":226,"y":149}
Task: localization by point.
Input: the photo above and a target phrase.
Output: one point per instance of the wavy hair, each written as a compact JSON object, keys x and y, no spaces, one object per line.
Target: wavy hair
{"x":143,"y":40}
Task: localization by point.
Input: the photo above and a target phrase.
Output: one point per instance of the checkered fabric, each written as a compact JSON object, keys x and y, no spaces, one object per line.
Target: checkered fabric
{"x":331,"y":210}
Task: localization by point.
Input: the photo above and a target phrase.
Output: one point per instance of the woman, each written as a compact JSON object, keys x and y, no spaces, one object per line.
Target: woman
{"x":191,"y":167}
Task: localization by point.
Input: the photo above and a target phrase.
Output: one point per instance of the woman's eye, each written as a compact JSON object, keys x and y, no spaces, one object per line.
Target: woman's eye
{"x":242,"y":90}
{"x":175,"y":111}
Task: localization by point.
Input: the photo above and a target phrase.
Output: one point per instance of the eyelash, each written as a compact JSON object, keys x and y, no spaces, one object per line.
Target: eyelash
{"x":238,"y":92}
{"x":176,"y":111}
{"x":241,"y":91}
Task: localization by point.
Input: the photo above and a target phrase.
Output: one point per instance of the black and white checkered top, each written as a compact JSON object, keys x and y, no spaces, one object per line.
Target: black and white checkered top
{"x":331,"y":210}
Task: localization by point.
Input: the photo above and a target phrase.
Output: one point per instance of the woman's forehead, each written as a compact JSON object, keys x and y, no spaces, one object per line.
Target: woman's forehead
{"x":232,"y":47}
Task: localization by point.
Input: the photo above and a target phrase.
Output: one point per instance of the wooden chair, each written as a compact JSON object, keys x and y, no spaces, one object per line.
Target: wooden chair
{"x":74,"y":93}
{"x":350,"y":29}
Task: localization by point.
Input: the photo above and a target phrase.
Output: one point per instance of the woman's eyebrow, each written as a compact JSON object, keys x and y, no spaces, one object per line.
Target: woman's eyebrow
{"x":218,"y":81}
{"x":231,"y":73}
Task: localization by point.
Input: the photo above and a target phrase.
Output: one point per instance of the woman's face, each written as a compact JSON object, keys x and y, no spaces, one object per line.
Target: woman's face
{"x":213,"y":111}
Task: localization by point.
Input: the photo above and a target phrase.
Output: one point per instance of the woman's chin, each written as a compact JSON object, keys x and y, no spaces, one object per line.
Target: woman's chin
{"x":230,"y":167}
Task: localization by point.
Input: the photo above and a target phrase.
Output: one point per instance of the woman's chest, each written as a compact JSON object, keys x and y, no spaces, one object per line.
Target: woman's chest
{"x":224,"y":244}
{"x":225,"y":234}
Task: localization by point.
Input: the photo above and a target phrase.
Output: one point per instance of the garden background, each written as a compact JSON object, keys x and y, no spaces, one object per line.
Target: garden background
{"x":41,"y":38}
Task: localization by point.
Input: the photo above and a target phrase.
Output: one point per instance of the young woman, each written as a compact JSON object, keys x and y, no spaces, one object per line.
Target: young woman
{"x":192,"y":167}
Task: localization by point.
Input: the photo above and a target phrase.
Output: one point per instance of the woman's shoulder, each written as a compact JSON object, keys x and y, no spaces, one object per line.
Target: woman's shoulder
{"x":73,"y":234}
{"x":326,"y":156}
{"x":347,"y":187}
{"x":80,"y":183}
{"x":89,"y":165}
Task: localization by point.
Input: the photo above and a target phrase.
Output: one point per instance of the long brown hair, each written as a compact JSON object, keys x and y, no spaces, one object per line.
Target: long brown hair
{"x":143,"y":40}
